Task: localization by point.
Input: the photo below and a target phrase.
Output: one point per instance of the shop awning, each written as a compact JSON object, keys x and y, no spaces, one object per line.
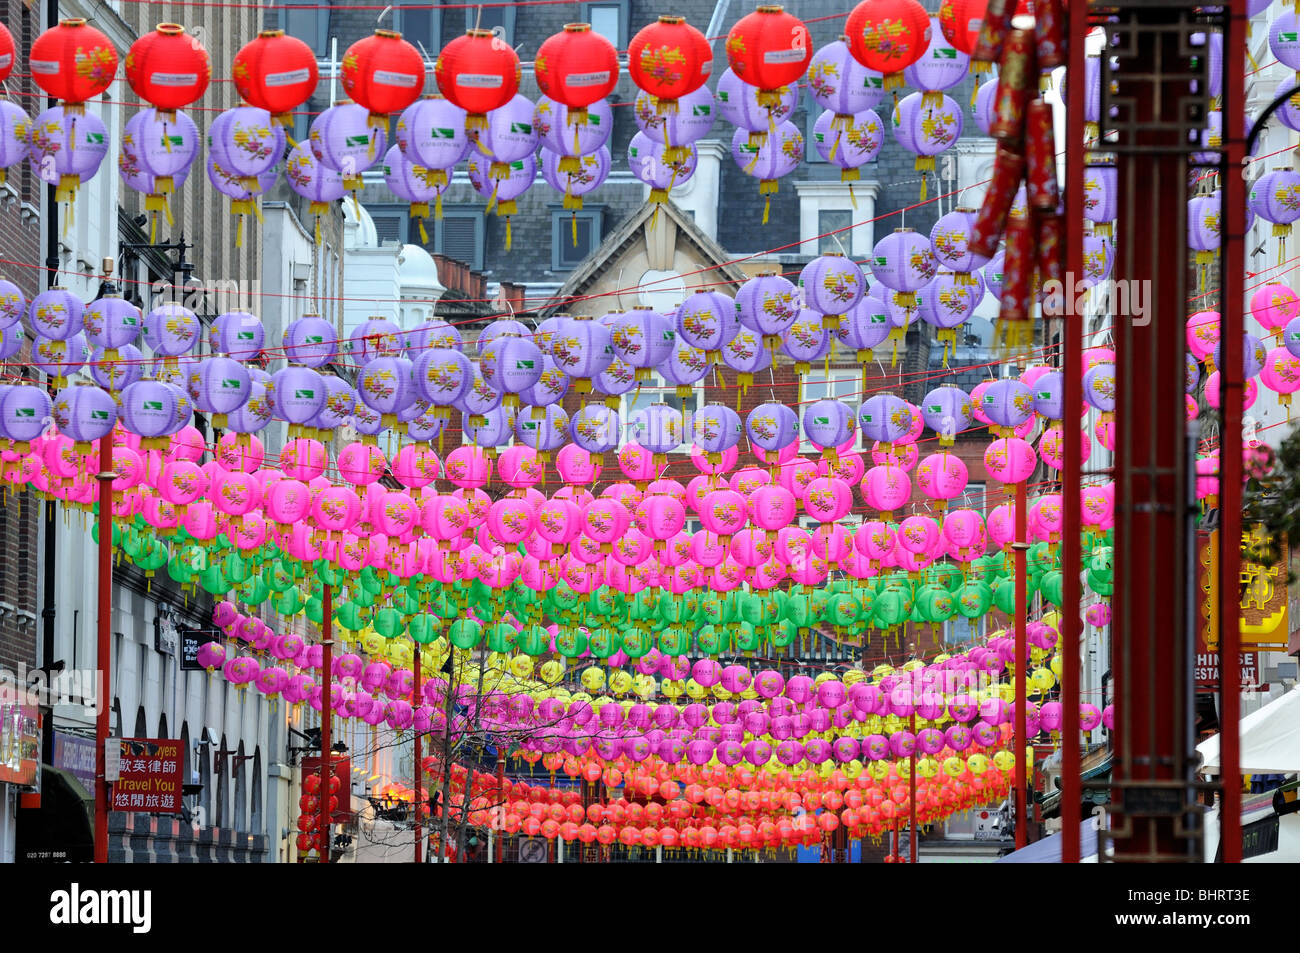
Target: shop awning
{"x":1270,"y":739}
{"x":1048,"y":850}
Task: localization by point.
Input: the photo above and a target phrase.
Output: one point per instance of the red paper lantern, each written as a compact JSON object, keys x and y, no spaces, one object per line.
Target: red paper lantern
{"x":960,"y":21}
{"x":276,"y":73}
{"x":669,"y":59}
{"x":73,"y":62}
{"x":888,"y":36}
{"x":6,"y":53}
{"x":769,"y":49}
{"x":576,"y":67}
{"x":168,"y":68}
{"x":384,"y":73}
{"x":478,"y":72}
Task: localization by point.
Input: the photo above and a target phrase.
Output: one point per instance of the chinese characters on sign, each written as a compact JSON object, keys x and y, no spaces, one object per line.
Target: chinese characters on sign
{"x":1263,"y":598}
{"x":150,"y":778}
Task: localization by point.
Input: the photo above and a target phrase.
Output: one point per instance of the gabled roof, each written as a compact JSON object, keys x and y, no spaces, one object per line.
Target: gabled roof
{"x":689,"y":237}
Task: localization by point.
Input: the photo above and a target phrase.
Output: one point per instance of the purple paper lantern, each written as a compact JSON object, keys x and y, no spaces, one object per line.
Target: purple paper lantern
{"x":1275,"y":197}
{"x":256,"y":414}
{"x":746,"y":355}
{"x":13,"y":304}
{"x":707,"y":320}
{"x":685,"y":368}
{"x":431,"y":133}
{"x":947,"y":410}
{"x":25,"y":413}
{"x":903,"y":262}
{"x":772,"y":426}
{"x":56,"y":314}
{"x":15,"y":128}
{"x":947,"y":303}
{"x":167,"y":144}
{"x":806,"y":340}
{"x":779,"y":155}
{"x":414,"y":184}
{"x":511,"y":365}
{"x":829,"y":424}
{"x":927,"y":127}
{"x":738,"y":104}
{"x":224,"y":387}
{"x":298,"y":393}
{"x":678,"y":128}
{"x":982,"y":109}
{"x":942,"y":66}
{"x":1203,"y":226}
{"x":60,"y":359}
{"x":550,"y":388}
{"x":118,"y":370}
{"x":442,"y":376}
{"x":494,"y":428}
{"x":246,"y":142}
{"x":1100,"y":190}
{"x":992,"y":273}
{"x":85,"y":413}
{"x":1008,"y":403}
{"x":768,"y":304}
{"x":832,"y":285}
{"x":840,"y":84}
{"x":12,"y":339}
{"x":241,"y":191}
{"x":66,"y":149}
{"x":582,"y":349}
{"x":864,"y":327}
{"x":658,"y":428}
{"x":950,"y":243}
{"x":311,"y":179}
{"x":885,"y":418}
{"x":570,"y":140}
{"x":544,"y":435}
{"x":586,"y":173}
{"x":337,"y":408}
{"x":237,"y":334}
{"x":644,"y":339}
{"x":310,"y":341}
{"x":150,"y":409}
{"x":343,"y":139}
{"x":595,"y":428}
{"x":850,"y":145}
{"x":1284,"y":39}
{"x":479,"y":399}
{"x":502,"y":191}
{"x":387,"y":386}
{"x":171,"y":330}
{"x":111,"y":322}
{"x":650,"y":163}
{"x":510,"y":134}
{"x":1049,"y":397}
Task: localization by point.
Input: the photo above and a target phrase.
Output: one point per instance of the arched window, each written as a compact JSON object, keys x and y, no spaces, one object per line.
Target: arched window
{"x":205,"y":775}
{"x":221,"y":816}
{"x":255,"y":822}
{"x":239,"y":808}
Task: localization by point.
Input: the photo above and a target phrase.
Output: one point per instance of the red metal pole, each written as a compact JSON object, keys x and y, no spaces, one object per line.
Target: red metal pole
{"x":104,"y":647}
{"x":326,"y":717}
{"x":419,"y":769}
{"x":911,"y":786}
{"x":1230,"y":466}
{"x":1022,"y":609}
{"x":1071,"y":486}
{"x":501,"y":800}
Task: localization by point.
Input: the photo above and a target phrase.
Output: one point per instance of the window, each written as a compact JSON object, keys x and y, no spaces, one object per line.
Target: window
{"x":574,"y":236}
{"x":391,"y":223}
{"x":500,"y":20}
{"x":255,"y":824}
{"x":303,"y":19}
{"x":459,"y":235}
{"x":972,"y":497}
{"x":609,"y":20}
{"x":840,"y":383}
{"x":832,"y":220}
{"x":960,"y":630}
{"x":421,"y":27}
{"x":656,"y":390}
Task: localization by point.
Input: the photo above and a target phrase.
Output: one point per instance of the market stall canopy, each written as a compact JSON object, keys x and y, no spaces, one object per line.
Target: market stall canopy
{"x":1270,"y":739}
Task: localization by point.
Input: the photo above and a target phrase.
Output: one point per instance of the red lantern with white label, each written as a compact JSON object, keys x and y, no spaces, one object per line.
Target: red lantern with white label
{"x":275,"y":72}
{"x":888,"y":36}
{"x":576,"y":68}
{"x":960,"y":21}
{"x":384,"y":73}
{"x":73,"y":62}
{"x":769,"y":49}
{"x":168,"y":68}
{"x":6,"y":53}
{"x":669,"y":59}
{"x":478,"y":72}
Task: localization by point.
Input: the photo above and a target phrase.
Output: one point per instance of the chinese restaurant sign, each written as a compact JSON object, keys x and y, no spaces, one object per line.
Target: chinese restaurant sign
{"x":1263,"y":596}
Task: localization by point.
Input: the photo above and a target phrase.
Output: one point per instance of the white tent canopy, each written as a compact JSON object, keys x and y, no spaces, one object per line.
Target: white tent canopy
{"x":1270,"y":739}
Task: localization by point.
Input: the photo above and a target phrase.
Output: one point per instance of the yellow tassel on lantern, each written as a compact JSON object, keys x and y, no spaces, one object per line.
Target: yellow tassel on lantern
{"x":898,"y":114}
{"x":570,"y":165}
{"x":925,"y":190}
